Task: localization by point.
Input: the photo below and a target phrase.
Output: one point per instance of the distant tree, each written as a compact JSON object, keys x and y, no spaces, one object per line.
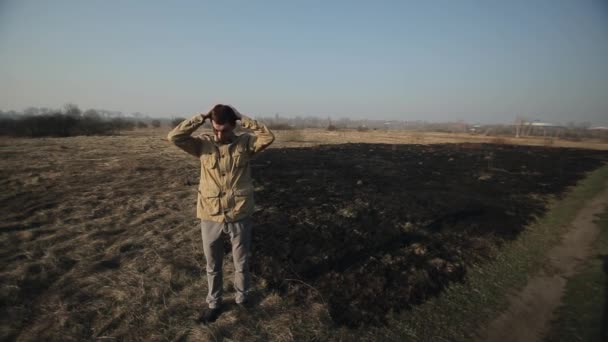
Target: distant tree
{"x":65,"y":122}
{"x":92,"y":114}
{"x":343,"y":122}
{"x":30,"y":111}
{"x":72,"y":110}
{"x":45,"y":110}
{"x":105,"y":113}
{"x":119,"y":124}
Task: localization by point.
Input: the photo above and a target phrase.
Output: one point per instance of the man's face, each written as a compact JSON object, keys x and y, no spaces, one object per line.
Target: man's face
{"x":224,"y":133}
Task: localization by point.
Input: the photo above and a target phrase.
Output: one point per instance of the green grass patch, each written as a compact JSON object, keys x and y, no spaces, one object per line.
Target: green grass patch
{"x":583,"y":315}
{"x":463,"y":309}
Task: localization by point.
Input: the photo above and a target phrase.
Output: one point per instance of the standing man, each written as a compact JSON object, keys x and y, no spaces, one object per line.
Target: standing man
{"x":225,"y":193}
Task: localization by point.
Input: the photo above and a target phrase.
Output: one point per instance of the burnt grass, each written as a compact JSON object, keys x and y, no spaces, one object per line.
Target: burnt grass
{"x":373,"y":229}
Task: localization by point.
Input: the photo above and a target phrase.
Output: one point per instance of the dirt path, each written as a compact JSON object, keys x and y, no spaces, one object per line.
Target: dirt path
{"x":531,"y":310}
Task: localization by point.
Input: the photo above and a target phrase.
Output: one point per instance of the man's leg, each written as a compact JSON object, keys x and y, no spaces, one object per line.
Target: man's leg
{"x":240,"y":236}
{"x":214,"y":254}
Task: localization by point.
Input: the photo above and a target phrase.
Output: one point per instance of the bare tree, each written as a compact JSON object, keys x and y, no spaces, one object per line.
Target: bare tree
{"x":91,"y":113}
{"x":31,"y":111}
{"x":72,"y":110}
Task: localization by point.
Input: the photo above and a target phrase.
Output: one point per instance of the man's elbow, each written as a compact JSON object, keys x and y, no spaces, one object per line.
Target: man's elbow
{"x":173,"y":137}
{"x":267,"y":141}
{"x":262,"y":143}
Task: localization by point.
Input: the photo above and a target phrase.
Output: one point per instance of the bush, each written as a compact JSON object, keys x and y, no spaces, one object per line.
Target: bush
{"x":332,"y":128}
{"x":156,"y":123}
{"x":362,"y":129}
{"x":141,"y":124}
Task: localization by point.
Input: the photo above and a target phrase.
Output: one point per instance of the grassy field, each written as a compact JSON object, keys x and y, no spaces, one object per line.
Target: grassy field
{"x":583,"y":315}
{"x":100,"y":240}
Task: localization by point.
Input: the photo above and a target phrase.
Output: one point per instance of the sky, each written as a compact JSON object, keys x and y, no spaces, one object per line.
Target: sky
{"x":477,"y":61}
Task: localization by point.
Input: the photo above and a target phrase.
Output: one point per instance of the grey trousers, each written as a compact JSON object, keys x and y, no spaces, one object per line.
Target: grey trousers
{"x":240,"y":237}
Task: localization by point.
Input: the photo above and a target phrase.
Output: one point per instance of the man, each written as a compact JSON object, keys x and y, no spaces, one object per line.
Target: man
{"x":225,"y":193}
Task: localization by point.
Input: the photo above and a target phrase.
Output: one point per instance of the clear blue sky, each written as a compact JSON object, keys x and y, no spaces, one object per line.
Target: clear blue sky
{"x":484,"y":61}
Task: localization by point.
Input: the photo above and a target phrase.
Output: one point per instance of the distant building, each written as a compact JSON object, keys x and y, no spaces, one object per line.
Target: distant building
{"x":475,"y":128}
{"x":528,"y":128}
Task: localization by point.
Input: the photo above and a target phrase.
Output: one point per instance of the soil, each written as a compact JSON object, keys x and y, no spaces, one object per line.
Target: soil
{"x":371,"y":229}
{"x":99,"y":236}
{"x":531,"y":309}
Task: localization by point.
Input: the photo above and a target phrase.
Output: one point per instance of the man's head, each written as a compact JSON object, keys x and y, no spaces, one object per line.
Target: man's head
{"x":223,"y":120}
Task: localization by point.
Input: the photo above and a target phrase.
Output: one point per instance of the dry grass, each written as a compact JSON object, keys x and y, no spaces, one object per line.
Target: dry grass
{"x":312,"y":137}
{"x":100,"y":240}
{"x":103,"y":229}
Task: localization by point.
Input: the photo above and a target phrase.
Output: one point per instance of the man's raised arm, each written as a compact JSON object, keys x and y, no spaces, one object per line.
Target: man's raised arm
{"x":182,"y":137}
{"x":262,"y":138}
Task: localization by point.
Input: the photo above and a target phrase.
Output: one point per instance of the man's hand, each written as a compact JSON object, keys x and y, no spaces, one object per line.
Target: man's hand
{"x":236,"y":112}
{"x":207,"y":116}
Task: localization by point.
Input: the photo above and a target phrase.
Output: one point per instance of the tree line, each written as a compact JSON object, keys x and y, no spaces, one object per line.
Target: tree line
{"x":69,"y":121}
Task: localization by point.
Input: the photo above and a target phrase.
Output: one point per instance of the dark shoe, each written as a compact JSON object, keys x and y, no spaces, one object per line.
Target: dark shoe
{"x":246,"y":305}
{"x":211,"y":315}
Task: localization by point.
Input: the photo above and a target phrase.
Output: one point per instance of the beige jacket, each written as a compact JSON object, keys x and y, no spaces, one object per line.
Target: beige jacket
{"x":225,"y":192}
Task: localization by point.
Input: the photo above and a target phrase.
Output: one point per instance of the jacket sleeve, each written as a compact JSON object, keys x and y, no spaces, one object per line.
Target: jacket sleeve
{"x":181,"y":136}
{"x":262,"y":136}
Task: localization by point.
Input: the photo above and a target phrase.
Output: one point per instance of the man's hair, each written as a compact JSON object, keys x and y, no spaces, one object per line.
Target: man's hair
{"x":222,"y":114}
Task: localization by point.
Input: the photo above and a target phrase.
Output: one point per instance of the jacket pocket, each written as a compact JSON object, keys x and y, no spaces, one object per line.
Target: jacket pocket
{"x":210,"y":200}
{"x":240,"y":156}
{"x":243,"y":200}
{"x":209,"y":160}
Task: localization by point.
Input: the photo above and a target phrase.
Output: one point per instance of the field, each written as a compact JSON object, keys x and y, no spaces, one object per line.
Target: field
{"x":100,"y":240}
